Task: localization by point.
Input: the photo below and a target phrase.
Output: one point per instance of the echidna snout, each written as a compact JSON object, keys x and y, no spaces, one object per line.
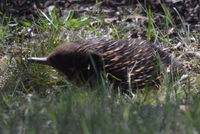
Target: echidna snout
{"x":38,"y":60}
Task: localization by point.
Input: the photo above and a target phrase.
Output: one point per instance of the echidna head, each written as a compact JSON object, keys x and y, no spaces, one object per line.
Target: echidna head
{"x":70,"y":61}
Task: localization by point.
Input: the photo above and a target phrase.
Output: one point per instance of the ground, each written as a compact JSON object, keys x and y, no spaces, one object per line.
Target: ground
{"x":37,"y":99}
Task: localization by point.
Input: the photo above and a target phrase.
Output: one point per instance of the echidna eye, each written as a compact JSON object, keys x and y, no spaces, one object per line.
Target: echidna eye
{"x":71,"y":69}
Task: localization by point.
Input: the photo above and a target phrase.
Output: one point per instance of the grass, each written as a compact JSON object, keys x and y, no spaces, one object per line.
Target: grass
{"x":35,"y":99}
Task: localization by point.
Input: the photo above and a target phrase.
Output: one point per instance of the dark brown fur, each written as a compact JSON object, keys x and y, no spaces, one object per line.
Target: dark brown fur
{"x":129,"y":60}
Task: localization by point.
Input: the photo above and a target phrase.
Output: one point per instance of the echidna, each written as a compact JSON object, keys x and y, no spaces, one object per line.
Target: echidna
{"x":125,"y":61}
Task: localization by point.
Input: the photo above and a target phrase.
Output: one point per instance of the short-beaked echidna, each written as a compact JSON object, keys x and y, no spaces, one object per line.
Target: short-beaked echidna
{"x":125,"y":61}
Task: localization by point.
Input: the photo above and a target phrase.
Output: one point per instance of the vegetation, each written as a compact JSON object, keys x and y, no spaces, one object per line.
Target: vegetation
{"x":36,"y":99}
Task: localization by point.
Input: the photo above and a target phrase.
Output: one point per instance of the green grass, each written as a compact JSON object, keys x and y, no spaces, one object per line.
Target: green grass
{"x":35,"y":99}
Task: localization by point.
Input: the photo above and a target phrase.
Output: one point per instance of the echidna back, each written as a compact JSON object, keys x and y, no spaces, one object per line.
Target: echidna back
{"x":132,"y":60}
